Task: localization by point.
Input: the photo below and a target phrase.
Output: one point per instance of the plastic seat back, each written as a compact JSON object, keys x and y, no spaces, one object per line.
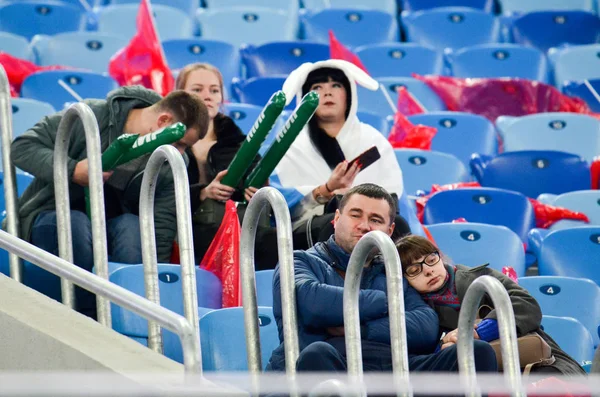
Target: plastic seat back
{"x":40,"y":17}
{"x":264,"y":287}
{"x":352,"y":27}
{"x":400,"y":59}
{"x":223,"y":339}
{"x":576,"y":63}
{"x":585,"y":201}
{"x":417,"y":5}
{"x":380,"y":123}
{"x":578,"y":134}
{"x":423,"y":168}
{"x":498,"y":61}
{"x":44,"y":86}
{"x":258,"y":90}
{"x":482,"y":205}
{"x":547,"y":29}
{"x":571,"y":336}
{"x":15,"y":45}
{"x":567,"y":297}
{"x":27,"y":112}
{"x":450,"y":27}
{"x":474,"y":244}
{"x":281,"y":57}
{"x":460,"y":134}
{"x":85,"y":50}
{"x":518,"y":6}
{"x":187,"y":6}
{"x":375,"y":102}
{"x":290,"y":6}
{"x":539,"y":171}
{"x":388,"y":6}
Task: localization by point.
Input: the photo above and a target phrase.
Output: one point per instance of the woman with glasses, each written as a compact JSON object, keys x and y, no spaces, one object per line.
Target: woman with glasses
{"x":443,"y":286}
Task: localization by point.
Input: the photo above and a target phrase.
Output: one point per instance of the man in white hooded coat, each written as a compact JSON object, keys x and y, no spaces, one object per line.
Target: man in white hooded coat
{"x":315,"y":168}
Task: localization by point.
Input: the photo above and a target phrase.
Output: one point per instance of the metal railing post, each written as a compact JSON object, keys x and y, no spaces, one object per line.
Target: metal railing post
{"x":507,"y":328}
{"x":184,"y":235}
{"x":395,"y":294}
{"x":80,"y":111}
{"x":10,"y":184}
{"x":260,"y":202}
{"x":111,"y":292}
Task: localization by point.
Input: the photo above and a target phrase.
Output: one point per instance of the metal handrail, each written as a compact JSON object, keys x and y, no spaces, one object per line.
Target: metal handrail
{"x":395,"y":295}
{"x":81,"y":112}
{"x":10,"y":184}
{"x":507,"y":328}
{"x":112,"y":292}
{"x":260,"y":202}
{"x":329,"y":387}
{"x":184,"y":235}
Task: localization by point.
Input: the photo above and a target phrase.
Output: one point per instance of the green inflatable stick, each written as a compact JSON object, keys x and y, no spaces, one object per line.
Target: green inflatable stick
{"x":284,"y":140}
{"x":147,"y":143}
{"x":116,"y":150}
{"x":261,"y":128}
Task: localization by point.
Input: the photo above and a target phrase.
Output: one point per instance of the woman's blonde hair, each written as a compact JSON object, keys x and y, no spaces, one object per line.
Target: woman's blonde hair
{"x":185,"y":73}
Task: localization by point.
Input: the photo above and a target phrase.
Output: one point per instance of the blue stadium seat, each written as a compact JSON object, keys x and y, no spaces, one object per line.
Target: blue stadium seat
{"x":85,"y":50}
{"x":380,"y":123}
{"x":243,"y":115}
{"x":264,"y":288}
{"x":187,"y":6}
{"x":571,"y":252}
{"x":575,"y":63}
{"x":417,"y":5}
{"x":585,"y":201}
{"x":40,"y":17}
{"x":547,"y":29}
{"x":223,"y":339}
{"x":567,"y":297}
{"x":571,"y":336}
{"x":539,"y":171}
{"x":450,"y":27}
{"x":423,"y":168}
{"x":352,"y":27}
{"x":519,"y":6}
{"x":253,"y":25}
{"x":281,"y":57}
{"x":460,"y":134}
{"x":400,"y":59}
{"x":182,"y":52}
{"x":499,"y":60}
{"x":580,"y":90}
{"x":258,"y":90}
{"x":27,"y":112}
{"x":567,"y":132}
{"x":120,"y":19}
{"x":44,"y":86}
{"x":483,"y":205}
{"x":473,"y":244}
{"x":388,"y":6}
{"x":290,"y":6}
{"x":131,"y":277}
{"x":375,"y":102}
{"x":15,"y":45}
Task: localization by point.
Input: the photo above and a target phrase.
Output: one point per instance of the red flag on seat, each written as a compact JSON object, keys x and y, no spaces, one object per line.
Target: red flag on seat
{"x":338,"y":51}
{"x":18,"y":69}
{"x":142,"y":61}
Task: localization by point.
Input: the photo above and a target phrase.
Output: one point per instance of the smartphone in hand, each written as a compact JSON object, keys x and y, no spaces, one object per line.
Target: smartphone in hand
{"x":366,"y":158}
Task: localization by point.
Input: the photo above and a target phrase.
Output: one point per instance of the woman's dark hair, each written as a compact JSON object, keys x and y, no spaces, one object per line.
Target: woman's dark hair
{"x":326,"y":145}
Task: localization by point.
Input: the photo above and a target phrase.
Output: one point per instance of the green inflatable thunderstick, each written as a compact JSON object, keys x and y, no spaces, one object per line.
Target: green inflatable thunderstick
{"x":284,"y":140}
{"x":246,"y":154}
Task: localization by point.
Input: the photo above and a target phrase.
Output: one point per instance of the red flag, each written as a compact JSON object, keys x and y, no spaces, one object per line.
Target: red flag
{"x":595,"y":171}
{"x":18,"y":69}
{"x":405,"y":134}
{"x":142,"y":61}
{"x":338,"y":51}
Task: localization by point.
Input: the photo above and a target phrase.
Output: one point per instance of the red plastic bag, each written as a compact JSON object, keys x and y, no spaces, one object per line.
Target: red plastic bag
{"x":405,"y":134}
{"x":595,"y":172}
{"x":223,"y":256}
{"x":509,"y":271}
{"x":555,"y":387}
{"x":18,"y":69}
{"x":422,"y":201}
{"x":142,"y":61}
{"x":546,"y":215}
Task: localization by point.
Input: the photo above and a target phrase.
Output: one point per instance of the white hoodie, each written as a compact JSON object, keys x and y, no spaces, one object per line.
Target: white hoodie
{"x":303,"y":168}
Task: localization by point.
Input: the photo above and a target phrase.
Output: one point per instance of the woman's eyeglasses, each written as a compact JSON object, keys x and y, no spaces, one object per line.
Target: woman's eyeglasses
{"x":417,"y":268}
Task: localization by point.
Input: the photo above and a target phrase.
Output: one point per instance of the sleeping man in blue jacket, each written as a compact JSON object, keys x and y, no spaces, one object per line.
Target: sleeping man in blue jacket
{"x":319,"y":280}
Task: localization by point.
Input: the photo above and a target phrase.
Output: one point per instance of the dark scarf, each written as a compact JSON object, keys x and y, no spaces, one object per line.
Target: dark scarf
{"x":328,"y":147}
{"x":446,"y":295}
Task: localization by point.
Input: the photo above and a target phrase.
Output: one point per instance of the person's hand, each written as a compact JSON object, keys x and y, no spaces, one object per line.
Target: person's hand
{"x":445,"y":345}
{"x":216,"y":190}
{"x":335,"y":331}
{"x":249,"y":192}
{"x":452,"y":337}
{"x":342,"y":177}
{"x":81,"y":175}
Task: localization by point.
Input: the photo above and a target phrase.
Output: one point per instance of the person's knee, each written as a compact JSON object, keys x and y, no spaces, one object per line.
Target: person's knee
{"x":485,"y":357}
{"x":125,"y":244}
{"x":318,"y":356}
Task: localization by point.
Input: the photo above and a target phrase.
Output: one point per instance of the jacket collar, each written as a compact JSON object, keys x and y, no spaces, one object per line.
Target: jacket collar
{"x":339,"y":259}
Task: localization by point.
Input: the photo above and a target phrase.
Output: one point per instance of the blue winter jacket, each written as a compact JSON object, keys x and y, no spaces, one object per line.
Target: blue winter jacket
{"x":319,"y":299}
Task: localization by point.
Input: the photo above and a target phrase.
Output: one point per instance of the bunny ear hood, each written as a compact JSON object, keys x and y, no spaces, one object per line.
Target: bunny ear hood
{"x":292,"y":87}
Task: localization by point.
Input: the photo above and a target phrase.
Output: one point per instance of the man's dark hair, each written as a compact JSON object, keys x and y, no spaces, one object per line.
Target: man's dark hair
{"x":373,"y":191}
{"x":186,"y":108}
